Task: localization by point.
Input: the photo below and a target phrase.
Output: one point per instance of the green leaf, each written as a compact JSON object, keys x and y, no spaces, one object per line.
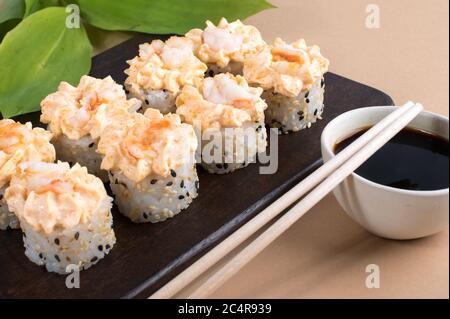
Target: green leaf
{"x":6,"y":26}
{"x":36,"y":55}
{"x":163,"y":16}
{"x":31,"y":6}
{"x":49,"y":3}
{"x":11,"y":9}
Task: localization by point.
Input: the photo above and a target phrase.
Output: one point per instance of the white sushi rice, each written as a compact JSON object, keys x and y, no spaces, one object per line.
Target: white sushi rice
{"x":8,"y":219}
{"x":82,"y":151}
{"x":155,"y":198}
{"x":291,"y":114}
{"x":162,"y":100}
{"x":237,"y":149}
{"x":83,"y":245}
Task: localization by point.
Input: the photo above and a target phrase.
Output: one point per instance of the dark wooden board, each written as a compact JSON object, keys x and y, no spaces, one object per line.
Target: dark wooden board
{"x":147,"y":256}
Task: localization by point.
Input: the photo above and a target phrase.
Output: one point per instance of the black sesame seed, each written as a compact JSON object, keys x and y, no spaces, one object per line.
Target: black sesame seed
{"x":187,"y":194}
{"x":181,"y":197}
{"x":307,"y":100}
{"x":182,"y":183}
{"x":57,"y":241}
{"x":173,"y":173}
{"x":100,"y":247}
{"x":41,"y":256}
{"x":169,"y":184}
{"x":145,"y":215}
{"x":123,"y":184}
{"x":147,"y":102}
{"x":77,"y":235}
{"x":107,"y":247}
{"x":153,"y":181}
{"x":94,"y":259}
{"x":57,"y":258}
{"x":315,"y":112}
{"x":91,"y":145}
{"x":306,"y":94}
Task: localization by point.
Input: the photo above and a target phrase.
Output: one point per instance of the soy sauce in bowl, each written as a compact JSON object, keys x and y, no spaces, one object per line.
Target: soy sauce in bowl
{"x":412,"y":160}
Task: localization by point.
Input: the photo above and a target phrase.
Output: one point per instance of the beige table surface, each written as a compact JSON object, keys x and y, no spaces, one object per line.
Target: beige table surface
{"x":324,"y":254}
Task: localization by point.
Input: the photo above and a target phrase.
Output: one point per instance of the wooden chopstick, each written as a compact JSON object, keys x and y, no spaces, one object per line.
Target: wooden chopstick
{"x":281,"y":225}
{"x":244,"y":232}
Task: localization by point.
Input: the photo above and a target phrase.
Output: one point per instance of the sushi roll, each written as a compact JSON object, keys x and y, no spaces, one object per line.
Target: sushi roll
{"x":229,"y":119}
{"x":223,"y":47}
{"x":19,"y":143}
{"x":160,"y":70}
{"x":151,"y":164}
{"x":292,"y":76}
{"x":64,"y":213}
{"x":77,"y":115}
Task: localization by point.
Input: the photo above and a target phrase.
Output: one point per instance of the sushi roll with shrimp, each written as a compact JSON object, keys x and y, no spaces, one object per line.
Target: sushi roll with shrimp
{"x":228,"y":116}
{"x":77,"y":115}
{"x":160,"y":70}
{"x":64,"y":213}
{"x":292,"y":76}
{"x":151,"y":163}
{"x":19,"y":143}
{"x":224,"y":47}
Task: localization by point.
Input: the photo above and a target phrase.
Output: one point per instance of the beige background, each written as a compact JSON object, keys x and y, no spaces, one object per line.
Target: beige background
{"x":324,"y":254}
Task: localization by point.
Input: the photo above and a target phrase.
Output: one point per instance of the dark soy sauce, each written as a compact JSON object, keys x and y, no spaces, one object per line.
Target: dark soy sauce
{"x":413,"y":160}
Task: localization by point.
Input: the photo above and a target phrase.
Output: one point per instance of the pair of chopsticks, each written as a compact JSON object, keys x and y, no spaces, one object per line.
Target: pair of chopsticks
{"x":316,"y":186}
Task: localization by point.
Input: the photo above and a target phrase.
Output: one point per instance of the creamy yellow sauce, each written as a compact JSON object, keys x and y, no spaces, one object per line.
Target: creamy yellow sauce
{"x":147,"y":144}
{"x":50,"y":196}
{"x":288,"y":69}
{"x":164,"y":65}
{"x":85,"y":109}
{"x":222,"y":101}
{"x":20,"y":143}
{"x":225,"y":42}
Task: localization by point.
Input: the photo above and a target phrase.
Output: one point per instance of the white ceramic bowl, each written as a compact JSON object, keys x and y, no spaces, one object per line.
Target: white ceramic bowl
{"x":386,"y":211}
